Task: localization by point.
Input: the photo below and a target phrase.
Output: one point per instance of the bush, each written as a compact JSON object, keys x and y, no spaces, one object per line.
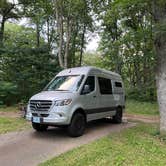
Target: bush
{"x":25,"y":72}
{"x":8,"y":93}
{"x":142,"y":94}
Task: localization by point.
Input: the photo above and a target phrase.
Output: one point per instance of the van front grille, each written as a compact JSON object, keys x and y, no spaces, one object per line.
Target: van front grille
{"x":40,"y":115}
{"x":40,"y":105}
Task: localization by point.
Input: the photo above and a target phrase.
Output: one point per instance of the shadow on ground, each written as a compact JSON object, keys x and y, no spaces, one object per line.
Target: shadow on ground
{"x":62,"y":131}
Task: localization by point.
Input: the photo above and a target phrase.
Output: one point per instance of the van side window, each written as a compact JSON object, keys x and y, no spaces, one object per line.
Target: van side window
{"x":90,"y":81}
{"x":118,"y":84}
{"x":105,"y":85}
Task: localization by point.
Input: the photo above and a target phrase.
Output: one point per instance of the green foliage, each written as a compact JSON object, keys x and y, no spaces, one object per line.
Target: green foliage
{"x":93,"y":59}
{"x":64,"y":24}
{"x":142,"y":94}
{"x":8,"y":93}
{"x":127,"y":45}
{"x":160,"y":3}
{"x":29,"y":69}
{"x":8,"y":10}
{"x":25,"y":69}
{"x":19,"y":36}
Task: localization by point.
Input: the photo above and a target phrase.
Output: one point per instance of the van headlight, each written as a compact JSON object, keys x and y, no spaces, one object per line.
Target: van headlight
{"x":62,"y":102}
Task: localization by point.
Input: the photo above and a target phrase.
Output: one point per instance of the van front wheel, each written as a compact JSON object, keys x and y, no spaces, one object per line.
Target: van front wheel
{"x":118,"y":116}
{"x":77,"y":125}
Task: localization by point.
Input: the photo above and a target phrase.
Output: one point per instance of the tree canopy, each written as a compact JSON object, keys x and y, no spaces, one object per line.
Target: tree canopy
{"x":132,"y":43}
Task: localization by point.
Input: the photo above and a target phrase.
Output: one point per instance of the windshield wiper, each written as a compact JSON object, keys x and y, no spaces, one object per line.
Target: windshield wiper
{"x":61,"y":90}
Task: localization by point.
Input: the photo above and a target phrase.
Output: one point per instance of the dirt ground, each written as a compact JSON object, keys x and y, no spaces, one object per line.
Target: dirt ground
{"x":11,"y":114}
{"x":142,"y":118}
{"x":28,"y":148}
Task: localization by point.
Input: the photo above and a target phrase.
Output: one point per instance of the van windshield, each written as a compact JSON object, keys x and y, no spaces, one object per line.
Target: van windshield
{"x":65,"y":83}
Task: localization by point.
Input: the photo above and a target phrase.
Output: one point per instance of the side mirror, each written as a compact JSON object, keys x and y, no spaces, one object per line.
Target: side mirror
{"x":86,"y":89}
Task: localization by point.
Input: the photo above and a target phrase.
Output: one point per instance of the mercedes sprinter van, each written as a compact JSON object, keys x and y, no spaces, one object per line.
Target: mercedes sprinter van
{"x":76,"y":96}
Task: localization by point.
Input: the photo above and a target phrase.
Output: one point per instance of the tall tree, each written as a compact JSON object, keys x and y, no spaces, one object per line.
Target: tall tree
{"x":8,"y":10}
{"x":159,"y":12}
{"x":34,"y":11}
{"x":127,"y":44}
{"x":73,"y":20}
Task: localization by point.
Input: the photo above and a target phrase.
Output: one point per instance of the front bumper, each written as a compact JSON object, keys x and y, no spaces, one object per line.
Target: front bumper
{"x":50,"y":120}
{"x":54,"y":116}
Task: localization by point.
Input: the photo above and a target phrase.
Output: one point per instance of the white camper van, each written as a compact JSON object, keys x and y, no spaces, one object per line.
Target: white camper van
{"x":76,"y":96}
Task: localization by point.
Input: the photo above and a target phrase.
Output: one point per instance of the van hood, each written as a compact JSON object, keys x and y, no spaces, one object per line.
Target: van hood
{"x":52,"y":95}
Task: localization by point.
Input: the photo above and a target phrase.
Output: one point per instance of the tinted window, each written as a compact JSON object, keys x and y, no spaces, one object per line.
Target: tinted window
{"x":91,"y":82}
{"x":118,"y":84}
{"x":105,"y":85}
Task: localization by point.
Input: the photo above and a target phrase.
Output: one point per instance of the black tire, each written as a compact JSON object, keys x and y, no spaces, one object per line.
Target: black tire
{"x":77,"y":125}
{"x":118,"y":116}
{"x":39,"y":127}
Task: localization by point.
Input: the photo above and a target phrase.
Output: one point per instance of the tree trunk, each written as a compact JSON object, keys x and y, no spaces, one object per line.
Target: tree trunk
{"x":2,"y":31}
{"x":159,"y":13}
{"x":137,"y":73}
{"x":60,"y":33}
{"x":73,"y":47}
{"x":37,"y":34}
{"x":82,"y":44}
{"x":68,"y":36}
{"x":48,"y":34}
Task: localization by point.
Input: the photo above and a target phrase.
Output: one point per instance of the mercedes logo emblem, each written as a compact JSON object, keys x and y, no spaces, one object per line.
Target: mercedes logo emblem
{"x":38,"y":105}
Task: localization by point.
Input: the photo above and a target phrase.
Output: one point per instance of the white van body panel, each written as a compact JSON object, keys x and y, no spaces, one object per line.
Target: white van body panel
{"x":94,"y":104}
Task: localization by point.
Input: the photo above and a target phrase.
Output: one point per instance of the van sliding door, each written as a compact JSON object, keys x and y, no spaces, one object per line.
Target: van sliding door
{"x":107,"y":103}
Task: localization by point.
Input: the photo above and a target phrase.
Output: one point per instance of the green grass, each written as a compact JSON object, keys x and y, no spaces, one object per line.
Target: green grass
{"x":136,"y":146}
{"x":144,"y":108}
{"x":12,"y":124}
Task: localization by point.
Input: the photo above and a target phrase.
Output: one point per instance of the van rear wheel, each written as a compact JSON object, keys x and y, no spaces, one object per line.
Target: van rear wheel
{"x":77,"y":125}
{"x":118,"y":116}
{"x":39,"y":127}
